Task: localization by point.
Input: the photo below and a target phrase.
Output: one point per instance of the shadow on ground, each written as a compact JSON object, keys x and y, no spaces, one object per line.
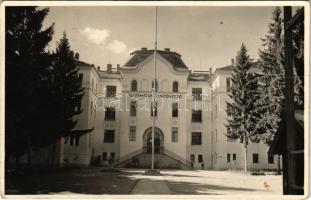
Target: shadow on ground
{"x":94,"y":181}
{"x":83,"y":181}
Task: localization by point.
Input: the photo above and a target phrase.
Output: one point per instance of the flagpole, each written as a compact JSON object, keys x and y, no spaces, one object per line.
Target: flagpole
{"x":154,"y":87}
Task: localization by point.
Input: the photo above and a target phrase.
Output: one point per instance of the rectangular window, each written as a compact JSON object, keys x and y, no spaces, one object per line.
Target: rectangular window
{"x":200,"y":158}
{"x":66,"y":140}
{"x":104,"y":156}
{"x":112,"y":156}
{"x":109,"y":136}
{"x":228,"y":80}
{"x":132,"y":134}
{"x":197,"y":94}
{"x":270,"y":159}
{"x":196,"y":115}
{"x":81,"y":78}
{"x":71,"y":140}
{"x":228,"y":157}
{"x":255,"y":158}
{"x":192,"y":157}
{"x":175,"y":110}
{"x":234,"y":156}
{"x":110,"y":113}
{"x":133,"y":109}
{"x":77,"y":139}
{"x":196,"y":138}
{"x":174,"y":134}
{"x":111,"y":91}
{"x":156,"y":109}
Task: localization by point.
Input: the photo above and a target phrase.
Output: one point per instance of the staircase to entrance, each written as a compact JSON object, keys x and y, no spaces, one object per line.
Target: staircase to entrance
{"x":162,"y":160}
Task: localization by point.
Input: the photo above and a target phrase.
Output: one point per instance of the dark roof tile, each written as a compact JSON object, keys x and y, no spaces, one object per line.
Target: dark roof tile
{"x":140,"y":55}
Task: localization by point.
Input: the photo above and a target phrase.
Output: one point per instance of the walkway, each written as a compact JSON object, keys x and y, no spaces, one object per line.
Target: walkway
{"x":152,"y":185}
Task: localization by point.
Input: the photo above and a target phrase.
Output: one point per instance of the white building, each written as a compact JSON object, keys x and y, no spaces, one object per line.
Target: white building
{"x":117,"y":104}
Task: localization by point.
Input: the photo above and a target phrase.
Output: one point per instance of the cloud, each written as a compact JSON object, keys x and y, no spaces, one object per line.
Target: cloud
{"x":116,"y":46}
{"x":96,"y":36}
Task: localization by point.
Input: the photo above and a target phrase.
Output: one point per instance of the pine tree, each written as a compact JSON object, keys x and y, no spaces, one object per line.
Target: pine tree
{"x":67,"y":89}
{"x":273,"y":88}
{"x":26,"y":66}
{"x":272,"y":91}
{"x":298,"y":51}
{"x":242,"y":123}
{"x":66,"y":93}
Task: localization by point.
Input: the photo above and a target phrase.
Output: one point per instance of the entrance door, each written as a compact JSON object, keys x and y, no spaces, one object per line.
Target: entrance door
{"x":156,"y":145}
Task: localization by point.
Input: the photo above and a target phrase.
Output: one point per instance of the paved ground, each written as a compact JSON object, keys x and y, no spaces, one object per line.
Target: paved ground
{"x":221,"y":182}
{"x":151,"y":186}
{"x":94,"y":181}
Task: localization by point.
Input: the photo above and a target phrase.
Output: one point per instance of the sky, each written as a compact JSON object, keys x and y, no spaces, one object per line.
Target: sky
{"x":206,"y":37}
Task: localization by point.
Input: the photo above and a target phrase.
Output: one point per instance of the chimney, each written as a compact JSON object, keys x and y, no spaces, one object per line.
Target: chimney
{"x":167,"y":49}
{"x":109,"y":68}
{"x":118,"y":68}
{"x":144,"y":49}
{"x":210,"y":71}
{"x":232,"y":61}
{"x":98,"y":68}
{"x":77,"y":56}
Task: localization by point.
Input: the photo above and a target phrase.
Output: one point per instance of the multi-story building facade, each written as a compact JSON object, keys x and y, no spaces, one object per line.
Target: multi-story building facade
{"x":189,"y":120}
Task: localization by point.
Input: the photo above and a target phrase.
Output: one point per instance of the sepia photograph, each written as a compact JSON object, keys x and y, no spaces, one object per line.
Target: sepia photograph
{"x":155,"y":99}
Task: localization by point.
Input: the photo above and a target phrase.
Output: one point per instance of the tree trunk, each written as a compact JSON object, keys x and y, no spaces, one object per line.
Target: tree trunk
{"x":245,"y":159}
{"x":245,"y":155}
{"x":278,"y":164}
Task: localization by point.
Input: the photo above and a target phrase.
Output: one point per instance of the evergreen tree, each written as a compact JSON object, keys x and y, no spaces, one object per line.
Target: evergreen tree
{"x":272,"y":91}
{"x":273,"y":88}
{"x":26,"y":66}
{"x":298,"y":51}
{"x":242,"y":123}
{"x":66,"y":93}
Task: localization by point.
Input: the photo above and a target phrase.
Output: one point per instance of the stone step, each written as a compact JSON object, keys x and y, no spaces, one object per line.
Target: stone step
{"x":161,"y":161}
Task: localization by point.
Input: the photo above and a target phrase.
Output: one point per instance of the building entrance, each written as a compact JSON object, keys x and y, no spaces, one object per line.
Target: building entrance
{"x":158,"y":140}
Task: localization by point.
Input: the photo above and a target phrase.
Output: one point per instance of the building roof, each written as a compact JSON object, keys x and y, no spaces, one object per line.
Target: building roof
{"x":110,"y":75}
{"x":226,"y":68}
{"x":199,"y":76}
{"x":255,"y":68}
{"x":103,"y":74}
{"x":79,"y":62}
{"x":139,"y":56}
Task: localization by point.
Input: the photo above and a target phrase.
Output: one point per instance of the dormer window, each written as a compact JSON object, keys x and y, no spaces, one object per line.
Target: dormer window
{"x":134,"y":85}
{"x":175,"y":86}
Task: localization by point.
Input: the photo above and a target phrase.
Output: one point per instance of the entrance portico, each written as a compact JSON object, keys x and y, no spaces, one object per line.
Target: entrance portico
{"x":158,"y":140}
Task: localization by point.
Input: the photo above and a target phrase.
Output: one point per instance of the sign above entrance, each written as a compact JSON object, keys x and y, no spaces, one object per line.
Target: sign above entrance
{"x":170,"y":96}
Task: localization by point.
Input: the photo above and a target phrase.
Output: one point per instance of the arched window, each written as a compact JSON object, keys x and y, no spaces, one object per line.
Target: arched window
{"x":175,"y":86}
{"x":134,"y":85}
{"x":156,"y":85}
